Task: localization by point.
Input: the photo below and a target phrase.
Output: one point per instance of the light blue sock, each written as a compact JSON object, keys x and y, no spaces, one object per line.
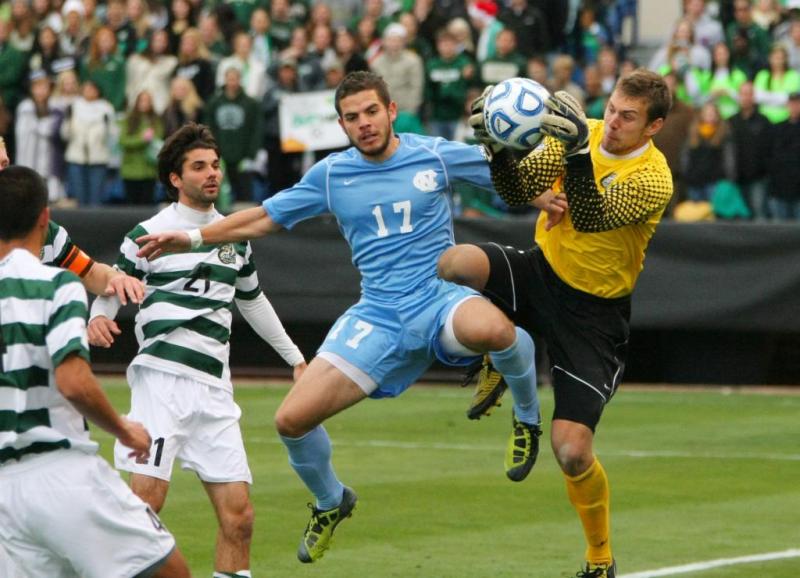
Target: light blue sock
{"x":517,"y":363}
{"x":310,"y":456}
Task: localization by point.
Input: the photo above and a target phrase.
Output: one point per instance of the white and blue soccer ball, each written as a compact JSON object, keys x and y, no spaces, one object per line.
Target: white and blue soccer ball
{"x":512,"y":112}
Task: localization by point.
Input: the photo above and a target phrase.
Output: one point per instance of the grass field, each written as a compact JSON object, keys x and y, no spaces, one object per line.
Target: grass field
{"x":695,"y":476}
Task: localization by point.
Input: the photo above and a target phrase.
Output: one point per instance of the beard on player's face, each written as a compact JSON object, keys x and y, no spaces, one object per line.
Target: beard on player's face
{"x":205,"y":194}
{"x":376,"y":149}
{"x":201,"y":191}
{"x":199,"y":181}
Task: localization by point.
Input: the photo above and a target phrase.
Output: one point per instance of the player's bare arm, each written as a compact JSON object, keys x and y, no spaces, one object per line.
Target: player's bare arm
{"x":103,"y":279}
{"x":77,"y":383}
{"x":240,"y":226}
{"x":298,"y":370}
{"x":101,"y":331}
{"x":555,"y":205}
{"x":102,"y":328}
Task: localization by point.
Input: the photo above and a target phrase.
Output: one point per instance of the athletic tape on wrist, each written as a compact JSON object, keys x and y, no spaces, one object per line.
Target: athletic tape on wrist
{"x":195,"y":238}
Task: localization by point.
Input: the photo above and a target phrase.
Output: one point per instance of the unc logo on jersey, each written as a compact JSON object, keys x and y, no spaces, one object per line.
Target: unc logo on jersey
{"x":425,"y":181}
{"x":227,"y":254}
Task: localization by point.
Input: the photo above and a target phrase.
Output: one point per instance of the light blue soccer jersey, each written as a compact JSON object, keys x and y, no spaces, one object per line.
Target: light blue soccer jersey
{"x":396,"y":217}
{"x":395,"y":214}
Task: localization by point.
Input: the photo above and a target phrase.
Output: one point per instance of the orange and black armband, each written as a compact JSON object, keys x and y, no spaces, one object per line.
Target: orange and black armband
{"x":77,"y":261}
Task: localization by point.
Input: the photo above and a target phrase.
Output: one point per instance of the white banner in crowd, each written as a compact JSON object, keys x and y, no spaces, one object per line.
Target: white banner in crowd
{"x":308,"y":121}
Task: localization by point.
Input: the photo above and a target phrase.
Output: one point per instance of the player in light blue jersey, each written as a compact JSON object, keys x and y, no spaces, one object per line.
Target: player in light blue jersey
{"x":389,"y":194}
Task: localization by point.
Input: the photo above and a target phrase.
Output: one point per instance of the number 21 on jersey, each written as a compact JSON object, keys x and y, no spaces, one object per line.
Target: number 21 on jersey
{"x":402,"y":208}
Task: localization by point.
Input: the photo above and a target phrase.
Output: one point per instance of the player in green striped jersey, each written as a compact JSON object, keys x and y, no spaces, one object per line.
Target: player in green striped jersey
{"x":98,"y":278}
{"x":51,"y":481}
{"x":180,"y":379}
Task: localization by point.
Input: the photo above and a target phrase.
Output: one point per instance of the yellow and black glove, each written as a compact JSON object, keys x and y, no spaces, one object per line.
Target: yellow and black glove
{"x":566,"y":121}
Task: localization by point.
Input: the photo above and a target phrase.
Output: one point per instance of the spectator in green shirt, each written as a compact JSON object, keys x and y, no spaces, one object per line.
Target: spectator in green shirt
{"x":12,"y":69}
{"x":774,"y":85}
{"x":141,"y":133}
{"x":594,"y":96}
{"x":282,"y":23}
{"x":507,"y":61}
{"x":414,"y":41}
{"x":748,"y":42}
{"x":447,"y":78}
{"x":105,"y":68}
{"x":235,"y":120}
{"x":243,"y":10}
{"x":721,"y":83}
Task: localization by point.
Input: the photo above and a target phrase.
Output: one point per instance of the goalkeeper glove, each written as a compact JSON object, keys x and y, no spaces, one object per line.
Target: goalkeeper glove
{"x":476,"y":121}
{"x":566,"y":122}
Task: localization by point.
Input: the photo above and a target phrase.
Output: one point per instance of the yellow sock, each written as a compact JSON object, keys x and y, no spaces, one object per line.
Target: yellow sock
{"x":589,"y":494}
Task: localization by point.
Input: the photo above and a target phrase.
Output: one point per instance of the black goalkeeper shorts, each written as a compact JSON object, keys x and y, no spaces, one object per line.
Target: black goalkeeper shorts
{"x":586,"y":335}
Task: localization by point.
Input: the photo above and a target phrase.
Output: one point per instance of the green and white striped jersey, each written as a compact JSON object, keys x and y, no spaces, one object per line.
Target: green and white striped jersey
{"x":42,"y":321}
{"x":56,"y":246}
{"x":184,"y":324}
{"x":59,"y":250}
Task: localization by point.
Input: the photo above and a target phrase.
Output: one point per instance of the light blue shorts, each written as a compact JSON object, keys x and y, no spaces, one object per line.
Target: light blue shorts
{"x":395,"y":343}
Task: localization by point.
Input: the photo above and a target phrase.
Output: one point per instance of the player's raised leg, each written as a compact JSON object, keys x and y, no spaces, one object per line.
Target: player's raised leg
{"x":480,"y":326}
{"x":468,"y":265}
{"x":321,"y":392}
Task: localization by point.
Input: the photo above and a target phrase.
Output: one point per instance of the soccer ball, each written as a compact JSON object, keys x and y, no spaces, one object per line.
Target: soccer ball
{"x":513,"y":112}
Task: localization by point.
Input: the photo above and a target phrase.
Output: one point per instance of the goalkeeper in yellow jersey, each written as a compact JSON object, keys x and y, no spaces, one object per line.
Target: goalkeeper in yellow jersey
{"x":573,"y":287}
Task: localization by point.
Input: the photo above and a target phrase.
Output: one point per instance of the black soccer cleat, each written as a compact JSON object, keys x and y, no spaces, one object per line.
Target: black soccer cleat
{"x":598,"y":570}
{"x":522,"y":449}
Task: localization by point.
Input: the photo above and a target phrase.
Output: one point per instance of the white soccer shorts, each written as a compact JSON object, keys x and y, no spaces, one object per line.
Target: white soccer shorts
{"x":189,"y":420}
{"x":67,"y":514}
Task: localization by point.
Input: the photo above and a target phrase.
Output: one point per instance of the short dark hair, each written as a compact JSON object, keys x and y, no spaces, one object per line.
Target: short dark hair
{"x":23,"y":197}
{"x":172,"y":155}
{"x":649,"y":85}
{"x":360,"y":81}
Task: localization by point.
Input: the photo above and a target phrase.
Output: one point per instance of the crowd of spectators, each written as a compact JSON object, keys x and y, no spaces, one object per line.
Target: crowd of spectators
{"x":733,"y":135}
{"x":89,"y":90}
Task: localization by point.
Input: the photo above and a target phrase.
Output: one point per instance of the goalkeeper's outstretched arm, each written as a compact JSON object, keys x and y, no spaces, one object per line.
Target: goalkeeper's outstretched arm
{"x":519,"y":183}
{"x":632,"y":200}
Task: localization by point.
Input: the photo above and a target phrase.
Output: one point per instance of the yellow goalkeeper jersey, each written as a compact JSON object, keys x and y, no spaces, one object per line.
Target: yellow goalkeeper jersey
{"x":615,"y":205}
